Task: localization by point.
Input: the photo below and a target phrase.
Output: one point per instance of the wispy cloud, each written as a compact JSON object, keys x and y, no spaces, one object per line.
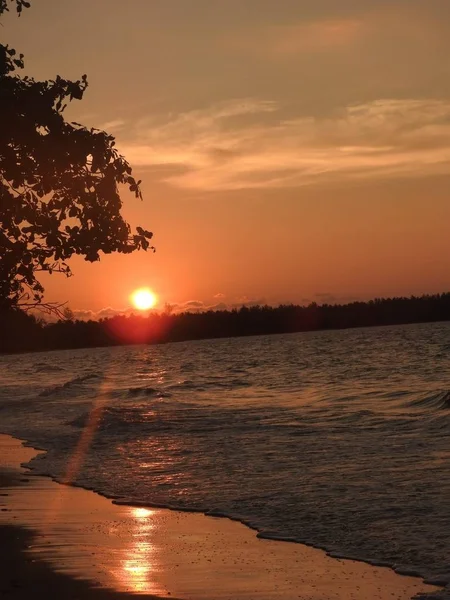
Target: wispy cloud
{"x":197,"y":306}
{"x":246,"y":144}
{"x":365,"y":25}
{"x":285,"y":41}
{"x":104,"y":313}
{"x":112,"y":126}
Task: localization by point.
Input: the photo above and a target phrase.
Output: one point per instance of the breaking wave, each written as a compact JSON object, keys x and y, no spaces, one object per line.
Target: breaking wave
{"x":76,"y":381}
{"x":435,"y":401}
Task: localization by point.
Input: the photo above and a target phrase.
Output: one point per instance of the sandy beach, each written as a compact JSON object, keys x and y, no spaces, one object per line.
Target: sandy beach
{"x":67,"y":542}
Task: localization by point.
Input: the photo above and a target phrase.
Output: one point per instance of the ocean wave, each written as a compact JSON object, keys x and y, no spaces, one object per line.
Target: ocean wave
{"x":187,"y":384}
{"x":349,"y":453}
{"x":204,"y":385}
{"x":76,"y":381}
{"x":46,"y":368}
{"x":147,"y":391}
{"x":436,"y":401}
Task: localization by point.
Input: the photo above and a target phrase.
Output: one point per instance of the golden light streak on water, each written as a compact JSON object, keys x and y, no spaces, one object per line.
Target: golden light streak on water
{"x":76,"y":461}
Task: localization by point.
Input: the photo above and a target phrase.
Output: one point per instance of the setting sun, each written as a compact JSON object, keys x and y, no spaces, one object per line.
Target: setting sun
{"x":143,"y":299}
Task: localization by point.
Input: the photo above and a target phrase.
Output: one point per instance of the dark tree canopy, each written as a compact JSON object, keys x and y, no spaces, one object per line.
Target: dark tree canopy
{"x":59,"y":183}
{"x":23,"y":332}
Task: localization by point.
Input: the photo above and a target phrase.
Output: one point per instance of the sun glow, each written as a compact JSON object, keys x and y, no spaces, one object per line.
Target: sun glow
{"x":143,"y":299}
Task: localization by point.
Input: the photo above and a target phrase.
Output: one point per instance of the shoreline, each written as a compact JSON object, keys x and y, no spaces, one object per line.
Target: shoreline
{"x":403,"y":570}
{"x":172,"y":553}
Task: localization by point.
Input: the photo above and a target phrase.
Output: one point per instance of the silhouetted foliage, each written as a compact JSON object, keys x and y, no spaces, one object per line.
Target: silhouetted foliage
{"x":21,"y":332}
{"x":59,"y":193}
{"x":20,"y":5}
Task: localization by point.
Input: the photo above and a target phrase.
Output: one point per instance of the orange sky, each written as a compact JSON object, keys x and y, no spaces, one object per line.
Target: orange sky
{"x":289,"y":150}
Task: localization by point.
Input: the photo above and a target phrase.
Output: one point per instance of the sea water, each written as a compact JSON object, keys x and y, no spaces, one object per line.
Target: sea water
{"x":337,"y":439}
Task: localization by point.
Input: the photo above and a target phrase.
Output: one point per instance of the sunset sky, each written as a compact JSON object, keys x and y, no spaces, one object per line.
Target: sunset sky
{"x":290,"y":150}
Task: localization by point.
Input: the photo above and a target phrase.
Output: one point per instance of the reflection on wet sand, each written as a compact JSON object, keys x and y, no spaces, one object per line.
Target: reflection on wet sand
{"x":138,"y":565}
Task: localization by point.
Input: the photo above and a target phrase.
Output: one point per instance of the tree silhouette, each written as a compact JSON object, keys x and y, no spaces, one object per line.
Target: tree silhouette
{"x":59,"y":183}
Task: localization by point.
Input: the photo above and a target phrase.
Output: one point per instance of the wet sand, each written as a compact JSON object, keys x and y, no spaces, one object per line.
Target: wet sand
{"x":67,"y":542}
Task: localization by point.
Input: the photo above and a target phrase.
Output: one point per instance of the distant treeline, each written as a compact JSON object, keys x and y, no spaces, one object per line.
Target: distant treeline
{"x":23,"y":332}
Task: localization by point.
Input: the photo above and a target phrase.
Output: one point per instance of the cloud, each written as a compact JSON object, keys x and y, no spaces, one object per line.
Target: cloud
{"x":342,"y":30}
{"x":285,"y":41}
{"x":192,"y":306}
{"x":112,"y":126}
{"x":219,"y":306}
{"x":83,"y":315}
{"x":104,"y":313}
{"x":246,"y":144}
{"x":197,"y":306}
{"x":246,"y":301}
{"x":326,"y":298}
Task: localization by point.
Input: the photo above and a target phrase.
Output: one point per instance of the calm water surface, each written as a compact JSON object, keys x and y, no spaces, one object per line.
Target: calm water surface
{"x":337,"y":439}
